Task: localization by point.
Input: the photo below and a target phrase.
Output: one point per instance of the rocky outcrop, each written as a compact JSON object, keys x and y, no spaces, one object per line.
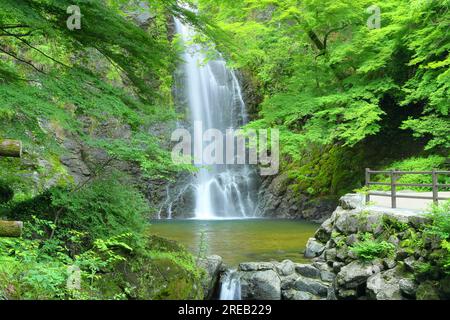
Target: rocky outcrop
{"x":278,"y":199}
{"x":369,"y":253}
{"x":282,"y":280}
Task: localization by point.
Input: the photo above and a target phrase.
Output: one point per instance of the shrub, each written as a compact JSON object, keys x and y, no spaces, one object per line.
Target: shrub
{"x":108,"y":206}
{"x":440,"y":228}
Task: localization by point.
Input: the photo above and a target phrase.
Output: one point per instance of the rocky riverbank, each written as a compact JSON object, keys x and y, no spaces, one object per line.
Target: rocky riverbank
{"x":358,"y":253}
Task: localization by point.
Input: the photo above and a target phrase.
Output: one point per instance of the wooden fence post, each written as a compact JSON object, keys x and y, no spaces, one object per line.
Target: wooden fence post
{"x":435,"y":187}
{"x":368,"y":185}
{"x":393,"y":189}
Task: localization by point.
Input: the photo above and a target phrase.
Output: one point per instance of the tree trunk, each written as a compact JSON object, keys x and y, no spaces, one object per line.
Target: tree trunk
{"x":10,"y":148}
{"x":11,"y":228}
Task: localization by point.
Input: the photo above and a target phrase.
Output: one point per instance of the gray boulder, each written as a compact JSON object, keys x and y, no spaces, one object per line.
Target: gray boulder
{"x":384,"y":286}
{"x":297,"y":295}
{"x":312,"y":286}
{"x":352,"y":201}
{"x":408,"y":287}
{"x":256,"y":266}
{"x":285,"y":268}
{"x":357,"y":273}
{"x":307,"y":270}
{"x":288,"y":282}
{"x":260,"y":285}
{"x":323,"y":234}
{"x":314,"y":248}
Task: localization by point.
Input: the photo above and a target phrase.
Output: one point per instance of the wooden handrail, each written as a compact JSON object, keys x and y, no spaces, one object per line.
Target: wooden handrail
{"x":394,"y":174}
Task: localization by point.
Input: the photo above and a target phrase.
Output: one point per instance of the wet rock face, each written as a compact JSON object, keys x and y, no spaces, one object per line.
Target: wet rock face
{"x":212,"y":265}
{"x":277,"y":199}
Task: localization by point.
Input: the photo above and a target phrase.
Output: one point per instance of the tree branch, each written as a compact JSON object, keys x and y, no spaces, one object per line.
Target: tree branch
{"x":21,"y":60}
{"x":34,"y":48}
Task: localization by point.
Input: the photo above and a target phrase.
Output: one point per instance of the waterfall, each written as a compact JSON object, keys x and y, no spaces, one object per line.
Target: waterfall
{"x":214,"y":98}
{"x":230,"y":286}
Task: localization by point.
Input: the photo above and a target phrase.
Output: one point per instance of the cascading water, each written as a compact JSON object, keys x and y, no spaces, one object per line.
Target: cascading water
{"x":215,"y":99}
{"x":230,"y":286}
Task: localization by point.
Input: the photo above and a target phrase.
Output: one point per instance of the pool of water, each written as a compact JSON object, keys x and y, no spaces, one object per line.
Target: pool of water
{"x":240,"y":240}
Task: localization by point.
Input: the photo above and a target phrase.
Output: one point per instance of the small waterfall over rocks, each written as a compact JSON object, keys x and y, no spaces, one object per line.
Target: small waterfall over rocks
{"x":213,"y":96}
{"x":230,"y":288}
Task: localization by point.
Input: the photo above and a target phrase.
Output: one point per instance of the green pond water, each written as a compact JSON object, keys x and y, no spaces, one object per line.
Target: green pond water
{"x":241,"y":240}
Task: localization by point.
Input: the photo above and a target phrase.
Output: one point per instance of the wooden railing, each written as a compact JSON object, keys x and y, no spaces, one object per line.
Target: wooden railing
{"x":395,"y":174}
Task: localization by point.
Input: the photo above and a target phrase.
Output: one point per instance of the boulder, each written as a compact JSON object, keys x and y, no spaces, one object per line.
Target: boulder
{"x":323,"y":234}
{"x":288,"y":282}
{"x":389,"y":263}
{"x":256,"y":266}
{"x":410,"y":263}
{"x":352,"y":201}
{"x":297,"y":295}
{"x":314,"y":248}
{"x":357,"y":273}
{"x":408,"y":287}
{"x":354,"y":221}
{"x":285,"y":268}
{"x":212,"y":265}
{"x":312,"y":286}
{"x":307,"y":270}
{"x":326,"y":271}
{"x":330,"y":255}
{"x":384,"y":285}
{"x":260,"y":285}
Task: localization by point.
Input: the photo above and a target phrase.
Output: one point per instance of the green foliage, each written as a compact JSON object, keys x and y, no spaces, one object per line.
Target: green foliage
{"x":440,"y":228}
{"x":416,"y":164}
{"x":107,"y":206}
{"x":369,"y":249}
